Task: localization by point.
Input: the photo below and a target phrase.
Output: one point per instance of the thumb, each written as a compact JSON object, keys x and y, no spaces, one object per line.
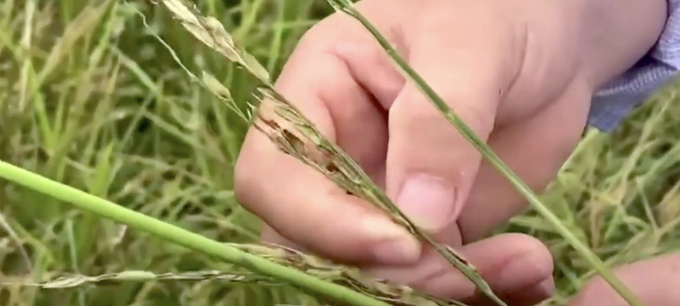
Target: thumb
{"x":430,"y":166}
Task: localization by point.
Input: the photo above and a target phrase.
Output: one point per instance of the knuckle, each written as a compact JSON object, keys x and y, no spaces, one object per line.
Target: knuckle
{"x":241,"y":190}
{"x":245,"y":180}
{"x":417,"y":112}
{"x":480,"y":120}
{"x":412,"y":107}
{"x":326,"y":32}
{"x":412,"y":114}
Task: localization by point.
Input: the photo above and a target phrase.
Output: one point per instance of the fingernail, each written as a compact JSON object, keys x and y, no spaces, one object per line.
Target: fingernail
{"x":546,"y":288}
{"x":427,"y":200}
{"x":393,"y":244}
{"x":527,"y":269}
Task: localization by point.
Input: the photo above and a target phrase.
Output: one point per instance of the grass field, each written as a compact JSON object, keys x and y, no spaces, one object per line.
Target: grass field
{"x":89,"y":98}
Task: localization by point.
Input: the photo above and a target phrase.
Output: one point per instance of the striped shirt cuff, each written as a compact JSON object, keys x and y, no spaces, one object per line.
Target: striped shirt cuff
{"x":619,"y":97}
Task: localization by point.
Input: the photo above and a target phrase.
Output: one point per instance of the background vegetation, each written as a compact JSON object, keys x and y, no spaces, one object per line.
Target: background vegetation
{"x":89,"y":98}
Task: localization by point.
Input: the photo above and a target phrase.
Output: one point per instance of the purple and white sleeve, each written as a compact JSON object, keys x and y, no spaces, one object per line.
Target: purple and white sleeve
{"x":613,"y":102}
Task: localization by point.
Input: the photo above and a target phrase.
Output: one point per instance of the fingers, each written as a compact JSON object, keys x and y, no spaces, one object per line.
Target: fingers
{"x":356,"y":121}
{"x":430,"y":165}
{"x":517,"y":267}
{"x":300,"y":203}
{"x":654,"y":281}
{"x":535,"y":147}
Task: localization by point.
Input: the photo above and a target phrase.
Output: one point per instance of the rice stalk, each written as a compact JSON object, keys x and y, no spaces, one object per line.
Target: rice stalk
{"x":295,"y":135}
{"x":347,"y":7}
{"x":349,"y":277}
{"x":68,"y":281}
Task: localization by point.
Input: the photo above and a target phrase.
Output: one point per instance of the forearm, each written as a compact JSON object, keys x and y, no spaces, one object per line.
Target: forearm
{"x":615,"y":34}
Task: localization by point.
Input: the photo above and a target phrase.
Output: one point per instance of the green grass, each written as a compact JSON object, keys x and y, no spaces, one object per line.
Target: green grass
{"x":90,"y":99}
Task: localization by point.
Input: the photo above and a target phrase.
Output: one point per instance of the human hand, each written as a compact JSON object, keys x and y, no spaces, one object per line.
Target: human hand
{"x":511,"y":69}
{"x":653,"y":280}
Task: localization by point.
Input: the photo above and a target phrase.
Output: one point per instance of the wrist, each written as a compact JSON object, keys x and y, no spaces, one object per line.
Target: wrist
{"x":613,"y":35}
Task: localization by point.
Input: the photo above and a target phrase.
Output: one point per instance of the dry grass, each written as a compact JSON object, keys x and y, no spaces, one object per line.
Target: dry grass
{"x":90,"y":99}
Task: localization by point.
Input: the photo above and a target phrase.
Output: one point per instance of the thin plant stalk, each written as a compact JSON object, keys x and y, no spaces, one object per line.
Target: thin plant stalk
{"x":295,"y":135}
{"x":347,"y":7}
{"x":397,"y":295}
{"x":79,"y":280}
{"x":183,"y":237}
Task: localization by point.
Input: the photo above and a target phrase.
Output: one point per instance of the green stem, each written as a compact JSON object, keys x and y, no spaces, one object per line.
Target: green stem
{"x":347,"y":7}
{"x":181,"y":236}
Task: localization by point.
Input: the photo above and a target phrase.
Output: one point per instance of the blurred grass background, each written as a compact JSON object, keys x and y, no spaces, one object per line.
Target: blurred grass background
{"x":89,"y":98}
